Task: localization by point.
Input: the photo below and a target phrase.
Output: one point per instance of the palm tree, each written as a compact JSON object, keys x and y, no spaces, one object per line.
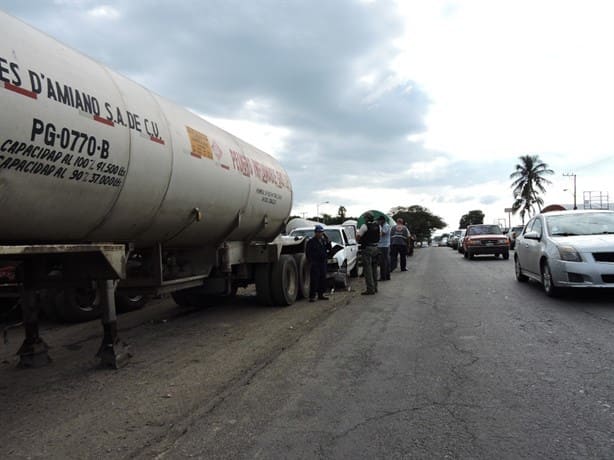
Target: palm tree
{"x":528,"y":181}
{"x":341,"y":212}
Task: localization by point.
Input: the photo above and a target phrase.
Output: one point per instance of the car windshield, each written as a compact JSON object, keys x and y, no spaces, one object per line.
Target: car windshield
{"x":333,"y":235}
{"x":484,"y":230}
{"x":594,"y":223}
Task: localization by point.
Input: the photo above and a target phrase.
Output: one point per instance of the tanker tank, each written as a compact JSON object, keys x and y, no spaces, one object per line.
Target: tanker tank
{"x":86,"y":155}
{"x":111,"y":194}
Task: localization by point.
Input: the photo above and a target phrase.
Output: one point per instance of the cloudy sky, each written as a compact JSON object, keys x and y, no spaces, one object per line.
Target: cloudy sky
{"x":372,"y":104}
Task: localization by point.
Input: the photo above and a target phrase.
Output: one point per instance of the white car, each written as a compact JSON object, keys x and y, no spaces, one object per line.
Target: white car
{"x":567,"y":249}
{"x":343,"y":261}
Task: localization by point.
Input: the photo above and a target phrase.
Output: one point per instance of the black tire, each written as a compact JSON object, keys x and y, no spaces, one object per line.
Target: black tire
{"x":304,"y":275}
{"x":469,"y":255}
{"x":78,"y":304}
{"x":518,"y":270}
{"x":284,"y":281}
{"x":262,"y":277}
{"x":125,"y":302}
{"x":466,"y":254}
{"x":550,"y":288}
{"x":506,"y":255}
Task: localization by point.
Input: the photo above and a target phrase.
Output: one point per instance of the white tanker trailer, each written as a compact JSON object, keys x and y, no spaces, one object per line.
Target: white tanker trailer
{"x":102,"y":180}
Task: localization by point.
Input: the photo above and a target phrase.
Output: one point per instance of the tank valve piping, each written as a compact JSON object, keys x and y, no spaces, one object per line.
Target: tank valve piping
{"x":198,"y":215}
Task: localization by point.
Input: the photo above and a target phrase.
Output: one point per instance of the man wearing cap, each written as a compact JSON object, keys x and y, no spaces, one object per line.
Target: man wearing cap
{"x":384,"y":249}
{"x":368,"y":236}
{"x":316,"y":251}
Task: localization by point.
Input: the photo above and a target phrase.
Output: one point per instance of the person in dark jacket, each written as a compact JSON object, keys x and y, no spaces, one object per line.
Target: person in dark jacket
{"x":399,"y":242}
{"x":368,"y":236}
{"x":317,"y":250}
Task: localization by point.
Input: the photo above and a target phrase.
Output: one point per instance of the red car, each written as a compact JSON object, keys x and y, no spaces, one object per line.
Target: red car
{"x":485,"y":239}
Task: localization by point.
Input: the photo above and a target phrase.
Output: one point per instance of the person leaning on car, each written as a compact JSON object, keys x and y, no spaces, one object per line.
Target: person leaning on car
{"x":368,"y":237}
{"x":316,"y":251}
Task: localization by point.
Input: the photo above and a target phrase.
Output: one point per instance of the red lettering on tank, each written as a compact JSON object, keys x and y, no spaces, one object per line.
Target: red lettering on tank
{"x":241,"y":163}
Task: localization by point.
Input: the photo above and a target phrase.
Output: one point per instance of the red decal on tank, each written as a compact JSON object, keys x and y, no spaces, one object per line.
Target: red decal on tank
{"x":156,"y":139}
{"x":17,"y":89}
{"x":226,"y":167}
{"x":98,"y":118}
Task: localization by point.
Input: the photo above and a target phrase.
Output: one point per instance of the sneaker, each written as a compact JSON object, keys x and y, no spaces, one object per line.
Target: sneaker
{"x":404,"y":269}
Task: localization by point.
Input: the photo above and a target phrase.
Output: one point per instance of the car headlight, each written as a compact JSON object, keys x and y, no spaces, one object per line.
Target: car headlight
{"x":569,"y":253}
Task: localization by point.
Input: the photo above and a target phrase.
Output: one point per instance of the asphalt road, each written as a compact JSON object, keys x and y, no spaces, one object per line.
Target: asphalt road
{"x":452,"y":359}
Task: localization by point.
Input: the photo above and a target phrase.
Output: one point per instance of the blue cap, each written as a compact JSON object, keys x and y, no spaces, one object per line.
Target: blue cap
{"x":319,"y":228}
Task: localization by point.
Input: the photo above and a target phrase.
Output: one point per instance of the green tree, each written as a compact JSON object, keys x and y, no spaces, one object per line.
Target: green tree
{"x":528,"y":182}
{"x":341,"y":212}
{"x":419,"y":220}
{"x":472,"y":217}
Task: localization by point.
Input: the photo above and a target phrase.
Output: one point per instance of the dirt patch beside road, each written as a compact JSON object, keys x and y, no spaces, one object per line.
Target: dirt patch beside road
{"x":185,"y":362}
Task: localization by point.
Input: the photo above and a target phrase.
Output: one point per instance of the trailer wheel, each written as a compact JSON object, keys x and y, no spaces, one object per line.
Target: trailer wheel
{"x":304,"y":275}
{"x":262,"y":276}
{"x":78,"y":304}
{"x":284,"y":281}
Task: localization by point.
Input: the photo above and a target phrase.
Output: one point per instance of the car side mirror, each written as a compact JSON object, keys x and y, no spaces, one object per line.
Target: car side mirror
{"x":532,"y":236}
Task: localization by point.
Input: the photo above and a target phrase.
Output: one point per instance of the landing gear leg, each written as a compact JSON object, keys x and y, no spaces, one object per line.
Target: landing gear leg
{"x":33,"y":351}
{"x":113,"y":352}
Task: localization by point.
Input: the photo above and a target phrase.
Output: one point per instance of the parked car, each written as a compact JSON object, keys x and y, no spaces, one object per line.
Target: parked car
{"x":567,"y":249}
{"x":453,"y":239}
{"x":513,"y":233}
{"x":483,"y":239}
{"x":343,"y":262}
{"x":461,"y":238}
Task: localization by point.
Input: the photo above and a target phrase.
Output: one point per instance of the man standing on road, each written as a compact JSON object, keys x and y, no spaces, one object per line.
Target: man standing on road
{"x":384,"y":249}
{"x":368,"y":235}
{"x":316,"y":251}
{"x":399,"y":240}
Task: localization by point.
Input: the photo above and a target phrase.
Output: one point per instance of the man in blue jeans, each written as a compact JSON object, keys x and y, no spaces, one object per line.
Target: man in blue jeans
{"x":384,"y":249}
{"x":399,"y":240}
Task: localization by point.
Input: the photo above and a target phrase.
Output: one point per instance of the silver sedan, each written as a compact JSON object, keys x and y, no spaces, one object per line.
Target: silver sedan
{"x":567,"y":249}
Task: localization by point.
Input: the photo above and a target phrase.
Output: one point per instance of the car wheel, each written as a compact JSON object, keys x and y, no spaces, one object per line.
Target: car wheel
{"x":470,"y":255}
{"x":547,"y":283}
{"x":518,"y":270}
{"x":506,"y":255}
{"x":466,"y":255}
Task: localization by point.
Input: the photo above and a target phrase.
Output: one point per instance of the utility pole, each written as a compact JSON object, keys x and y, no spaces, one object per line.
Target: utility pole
{"x":574,"y":187}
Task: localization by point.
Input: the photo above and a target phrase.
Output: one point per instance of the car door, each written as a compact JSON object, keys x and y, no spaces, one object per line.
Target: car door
{"x":351,"y":249}
{"x":532,"y":248}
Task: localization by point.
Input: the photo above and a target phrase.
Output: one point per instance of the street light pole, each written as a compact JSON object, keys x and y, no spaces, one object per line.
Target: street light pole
{"x":318,"y":210}
{"x":574,"y":187}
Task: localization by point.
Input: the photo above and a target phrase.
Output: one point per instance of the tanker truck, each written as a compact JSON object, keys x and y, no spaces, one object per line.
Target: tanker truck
{"x":106,"y":187}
